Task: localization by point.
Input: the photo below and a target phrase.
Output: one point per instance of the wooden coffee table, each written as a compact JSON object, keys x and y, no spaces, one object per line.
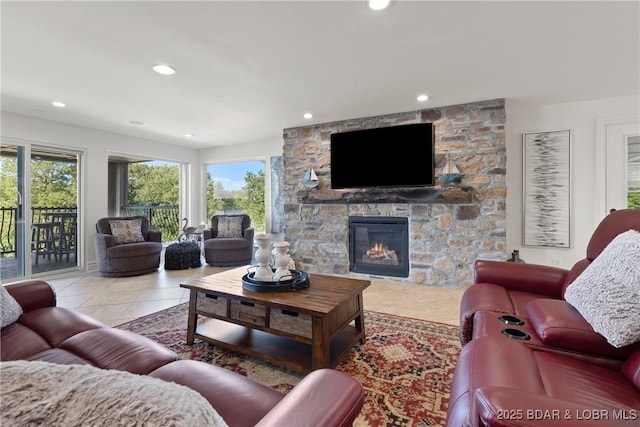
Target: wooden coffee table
{"x":301,"y":330}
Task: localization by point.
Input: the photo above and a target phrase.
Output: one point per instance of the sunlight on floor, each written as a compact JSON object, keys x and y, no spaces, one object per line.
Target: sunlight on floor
{"x":115,"y":300}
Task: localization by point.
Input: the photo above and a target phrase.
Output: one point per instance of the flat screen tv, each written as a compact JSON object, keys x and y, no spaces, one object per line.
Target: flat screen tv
{"x":396,"y":156}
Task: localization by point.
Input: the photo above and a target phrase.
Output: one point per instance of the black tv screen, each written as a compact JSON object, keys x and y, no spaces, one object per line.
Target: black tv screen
{"x":396,"y":156}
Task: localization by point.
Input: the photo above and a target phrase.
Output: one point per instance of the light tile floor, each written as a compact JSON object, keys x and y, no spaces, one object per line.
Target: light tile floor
{"x":115,"y":300}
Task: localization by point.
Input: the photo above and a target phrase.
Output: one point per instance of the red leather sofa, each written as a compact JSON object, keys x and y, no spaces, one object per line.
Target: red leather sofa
{"x":53,"y":334}
{"x":530,"y":359}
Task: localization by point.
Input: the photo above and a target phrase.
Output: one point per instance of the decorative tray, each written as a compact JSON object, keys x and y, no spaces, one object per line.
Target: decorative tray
{"x":297,"y":280}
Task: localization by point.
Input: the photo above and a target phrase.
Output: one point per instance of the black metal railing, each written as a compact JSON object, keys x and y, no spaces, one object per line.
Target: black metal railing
{"x":7,"y":231}
{"x":163,"y":218}
{"x":8,"y":220}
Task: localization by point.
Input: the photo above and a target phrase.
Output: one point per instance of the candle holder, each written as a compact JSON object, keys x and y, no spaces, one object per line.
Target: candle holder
{"x":282,"y":260}
{"x":263,"y":256}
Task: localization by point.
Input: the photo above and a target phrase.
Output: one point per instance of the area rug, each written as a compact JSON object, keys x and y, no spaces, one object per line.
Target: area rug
{"x":405,"y":366}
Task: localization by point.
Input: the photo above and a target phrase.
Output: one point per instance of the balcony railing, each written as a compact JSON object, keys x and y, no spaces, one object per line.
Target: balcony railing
{"x":163,"y":218}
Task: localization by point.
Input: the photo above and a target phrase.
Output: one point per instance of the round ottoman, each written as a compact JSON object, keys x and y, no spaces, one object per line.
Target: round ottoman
{"x":180,"y":256}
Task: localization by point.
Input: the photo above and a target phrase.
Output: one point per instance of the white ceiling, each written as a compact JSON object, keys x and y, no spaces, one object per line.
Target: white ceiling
{"x":247,"y":70}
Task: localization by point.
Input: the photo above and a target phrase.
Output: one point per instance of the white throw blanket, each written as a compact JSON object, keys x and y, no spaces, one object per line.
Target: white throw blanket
{"x":39,"y":393}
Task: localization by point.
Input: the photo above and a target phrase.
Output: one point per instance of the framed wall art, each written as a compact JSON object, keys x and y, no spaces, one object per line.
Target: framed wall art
{"x":547,"y":188}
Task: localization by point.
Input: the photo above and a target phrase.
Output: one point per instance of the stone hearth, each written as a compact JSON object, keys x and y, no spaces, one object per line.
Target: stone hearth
{"x":449,"y":226}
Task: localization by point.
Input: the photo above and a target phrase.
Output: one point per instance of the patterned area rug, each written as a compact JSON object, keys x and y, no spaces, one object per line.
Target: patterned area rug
{"x":405,"y":366}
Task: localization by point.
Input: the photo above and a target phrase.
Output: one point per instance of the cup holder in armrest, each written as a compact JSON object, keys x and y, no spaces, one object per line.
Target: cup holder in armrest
{"x":516,"y":334}
{"x":511,"y":320}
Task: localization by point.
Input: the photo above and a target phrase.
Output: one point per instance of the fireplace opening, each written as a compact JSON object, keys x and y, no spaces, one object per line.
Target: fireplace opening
{"x":379,"y":245}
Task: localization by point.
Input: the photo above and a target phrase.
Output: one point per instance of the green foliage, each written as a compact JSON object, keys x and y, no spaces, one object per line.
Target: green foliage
{"x":8,"y":183}
{"x":153,"y":185}
{"x":214,"y":204}
{"x":633,"y":200}
{"x":53,"y":183}
{"x":253,"y":204}
{"x":250,"y":199}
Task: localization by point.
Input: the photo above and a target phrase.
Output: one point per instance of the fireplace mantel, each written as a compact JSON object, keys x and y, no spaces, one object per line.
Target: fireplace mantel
{"x":449,"y":194}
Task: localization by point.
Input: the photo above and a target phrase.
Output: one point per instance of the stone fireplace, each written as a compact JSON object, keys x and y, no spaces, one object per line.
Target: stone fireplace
{"x":449,"y":226}
{"x":379,"y":245}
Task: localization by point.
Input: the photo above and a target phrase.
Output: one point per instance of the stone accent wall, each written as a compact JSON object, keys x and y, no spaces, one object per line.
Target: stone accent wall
{"x":445,"y":237}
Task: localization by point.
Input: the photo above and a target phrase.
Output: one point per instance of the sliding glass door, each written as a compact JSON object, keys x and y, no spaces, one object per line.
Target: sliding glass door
{"x":39,"y":230}
{"x":12,"y":217}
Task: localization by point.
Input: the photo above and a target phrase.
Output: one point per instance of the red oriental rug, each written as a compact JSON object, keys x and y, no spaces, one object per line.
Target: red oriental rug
{"x":405,"y":366}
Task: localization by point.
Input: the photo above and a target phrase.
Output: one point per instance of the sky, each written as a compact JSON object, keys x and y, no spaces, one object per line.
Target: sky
{"x":231,"y":175}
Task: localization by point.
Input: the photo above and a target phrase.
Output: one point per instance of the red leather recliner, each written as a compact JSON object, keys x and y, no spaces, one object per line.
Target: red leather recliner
{"x":502,"y":382}
{"x":564,"y":373}
{"x":508,"y":288}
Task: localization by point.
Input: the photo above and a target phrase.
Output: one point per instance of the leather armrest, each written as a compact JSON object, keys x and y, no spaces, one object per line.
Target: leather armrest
{"x":502,"y":406}
{"x":33,"y":294}
{"x":560,"y":325}
{"x":325,"y":397}
{"x":539,"y":279}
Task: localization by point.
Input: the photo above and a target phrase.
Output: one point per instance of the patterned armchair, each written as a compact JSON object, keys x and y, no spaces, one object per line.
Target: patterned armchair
{"x":127,"y":246}
{"x":229,"y":241}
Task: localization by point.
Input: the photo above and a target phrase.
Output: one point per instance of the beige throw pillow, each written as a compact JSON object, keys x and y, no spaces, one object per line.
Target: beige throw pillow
{"x":230,"y":226}
{"x":11,"y":310}
{"x":607,"y":293}
{"x":126,"y":230}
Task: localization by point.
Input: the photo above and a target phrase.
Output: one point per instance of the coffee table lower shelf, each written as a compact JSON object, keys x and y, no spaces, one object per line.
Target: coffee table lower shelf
{"x":279,"y":350}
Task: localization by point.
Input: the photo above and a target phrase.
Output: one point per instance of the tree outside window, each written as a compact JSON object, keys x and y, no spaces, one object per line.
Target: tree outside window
{"x":234,"y":188}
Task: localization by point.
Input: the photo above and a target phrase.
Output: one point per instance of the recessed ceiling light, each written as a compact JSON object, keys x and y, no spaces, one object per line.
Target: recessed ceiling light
{"x":188,"y":135}
{"x":164,"y":69}
{"x":422,"y":98}
{"x":378,"y":4}
{"x":58,"y":104}
{"x":136,"y":122}
{"x":307,"y":115}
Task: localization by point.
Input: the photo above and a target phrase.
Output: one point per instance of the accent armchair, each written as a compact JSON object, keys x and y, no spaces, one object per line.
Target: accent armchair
{"x":127,"y":246}
{"x":229,"y":241}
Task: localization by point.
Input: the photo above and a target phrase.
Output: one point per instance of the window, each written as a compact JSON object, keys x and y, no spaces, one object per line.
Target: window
{"x":149,"y":188}
{"x":234,"y":188}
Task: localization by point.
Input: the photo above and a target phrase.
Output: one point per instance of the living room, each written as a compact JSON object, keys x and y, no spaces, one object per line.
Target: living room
{"x":558,"y":81}
{"x":586,"y":116}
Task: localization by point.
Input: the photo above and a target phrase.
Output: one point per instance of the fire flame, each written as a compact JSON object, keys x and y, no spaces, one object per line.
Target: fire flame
{"x":378,"y":249}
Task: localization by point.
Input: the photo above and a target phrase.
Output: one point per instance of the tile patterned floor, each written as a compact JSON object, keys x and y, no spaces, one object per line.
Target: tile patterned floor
{"x":115,"y":300}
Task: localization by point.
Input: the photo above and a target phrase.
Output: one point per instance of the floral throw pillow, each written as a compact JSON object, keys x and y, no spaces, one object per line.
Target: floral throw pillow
{"x":11,"y":310}
{"x":230,"y":226}
{"x":126,"y":230}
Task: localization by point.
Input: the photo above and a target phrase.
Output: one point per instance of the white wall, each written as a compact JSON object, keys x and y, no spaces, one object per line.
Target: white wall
{"x":97,"y":146}
{"x":581,"y":118}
